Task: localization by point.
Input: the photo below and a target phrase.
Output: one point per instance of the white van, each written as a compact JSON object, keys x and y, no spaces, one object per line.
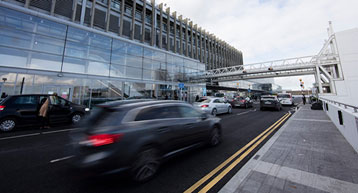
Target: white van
{"x":285,"y":98}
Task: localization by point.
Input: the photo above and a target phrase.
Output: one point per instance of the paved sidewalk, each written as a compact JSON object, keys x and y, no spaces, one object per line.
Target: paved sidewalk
{"x":308,"y":154}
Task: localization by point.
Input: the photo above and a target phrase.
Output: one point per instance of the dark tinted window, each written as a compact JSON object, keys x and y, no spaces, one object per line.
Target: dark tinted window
{"x":104,"y":117}
{"x":158,"y":113}
{"x":189,"y":112}
{"x":26,"y":100}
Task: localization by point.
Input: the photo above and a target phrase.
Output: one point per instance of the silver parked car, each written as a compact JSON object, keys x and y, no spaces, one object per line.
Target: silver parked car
{"x":214,"y":105}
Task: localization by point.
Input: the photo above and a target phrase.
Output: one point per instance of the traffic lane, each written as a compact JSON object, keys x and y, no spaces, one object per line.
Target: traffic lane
{"x":175,"y":176}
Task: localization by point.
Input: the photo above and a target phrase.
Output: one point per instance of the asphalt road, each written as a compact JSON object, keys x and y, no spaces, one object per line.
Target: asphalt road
{"x":37,"y":161}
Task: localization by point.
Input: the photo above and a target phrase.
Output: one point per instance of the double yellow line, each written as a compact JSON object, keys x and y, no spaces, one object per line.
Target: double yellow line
{"x":257,"y":141}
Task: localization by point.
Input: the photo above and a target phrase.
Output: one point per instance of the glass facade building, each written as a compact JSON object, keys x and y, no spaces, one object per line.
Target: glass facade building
{"x":45,"y":48}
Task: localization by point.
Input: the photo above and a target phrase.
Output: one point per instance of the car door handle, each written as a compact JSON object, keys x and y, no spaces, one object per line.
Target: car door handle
{"x":163,"y":129}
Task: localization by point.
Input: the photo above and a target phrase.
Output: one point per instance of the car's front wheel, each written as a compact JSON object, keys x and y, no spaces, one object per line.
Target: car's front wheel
{"x":76,"y":118}
{"x":146,"y":165}
{"x":7,"y":124}
{"x":214,"y":112}
{"x":229,"y":110}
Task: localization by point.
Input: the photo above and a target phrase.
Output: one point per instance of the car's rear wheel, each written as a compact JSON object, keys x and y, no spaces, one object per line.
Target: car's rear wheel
{"x":261,"y":109}
{"x":215,"y":136}
{"x":214,"y":112}
{"x":7,"y":124}
{"x":229,"y":110}
{"x":76,"y":118}
{"x":146,"y":165}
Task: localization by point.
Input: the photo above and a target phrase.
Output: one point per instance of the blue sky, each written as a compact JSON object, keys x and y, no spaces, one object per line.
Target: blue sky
{"x":266,"y":30}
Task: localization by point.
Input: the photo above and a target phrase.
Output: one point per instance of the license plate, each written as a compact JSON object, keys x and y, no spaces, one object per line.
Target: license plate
{"x":267,"y":103}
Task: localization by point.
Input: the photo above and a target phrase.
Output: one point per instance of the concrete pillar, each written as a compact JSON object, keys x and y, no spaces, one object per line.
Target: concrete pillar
{"x":83,"y":11}
{"x":161,"y":25}
{"x":53,"y":4}
{"x":74,"y":10}
{"x":186,"y":37}
{"x":192,"y":39}
{"x":205,"y":46}
{"x":144,"y":14}
{"x":200,"y":42}
{"x":154,"y":21}
{"x":108,"y":18}
{"x":134,"y":5}
{"x":92,"y":12}
{"x":121,"y":19}
{"x":196,"y":41}
{"x":27,"y":4}
{"x":168,"y":28}
{"x":181,"y":34}
{"x":175,"y":31}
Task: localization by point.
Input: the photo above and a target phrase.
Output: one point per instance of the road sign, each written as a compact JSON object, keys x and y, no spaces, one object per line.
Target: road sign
{"x":181,"y":85}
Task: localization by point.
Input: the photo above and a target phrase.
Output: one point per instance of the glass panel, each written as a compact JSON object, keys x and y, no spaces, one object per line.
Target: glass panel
{"x":17,"y":20}
{"x":115,"y":90}
{"x":135,"y":50}
{"x":74,"y":65}
{"x":15,"y":38}
{"x":13,"y":57}
{"x":24,"y":84}
{"x":148,"y":53}
{"x":45,"y":61}
{"x":118,"y":59}
{"x":50,"y":45}
{"x":88,"y":38}
{"x":148,"y":74}
{"x":117,"y":70}
{"x":147,"y":64}
{"x":119,"y":47}
{"x":133,"y":61}
{"x":98,"y":68}
{"x":49,"y":28}
{"x":133,"y":72}
{"x":159,"y":56}
{"x":87,"y":52}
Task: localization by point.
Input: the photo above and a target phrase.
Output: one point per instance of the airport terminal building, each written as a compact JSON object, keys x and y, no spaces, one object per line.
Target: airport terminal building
{"x":90,"y":51}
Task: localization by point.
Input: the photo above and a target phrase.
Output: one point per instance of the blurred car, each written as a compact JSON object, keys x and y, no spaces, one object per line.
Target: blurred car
{"x":240,"y":101}
{"x":214,"y":105}
{"x":22,"y":110}
{"x":270,"y":101}
{"x":285,"y":98}
{"x":135,"y":136}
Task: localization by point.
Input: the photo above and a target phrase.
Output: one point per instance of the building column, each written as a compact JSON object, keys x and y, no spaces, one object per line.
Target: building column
{"x":133,"y":18}
{"x":93,"y":12}
{"x":196,"y":42}
{"x":209,"y":52}
{"x":168,"y":28}
{"x":181,"y":34}
{"x":192,"y":39}
{"x":144,"y":15}
{"x":74,"y":10}
{"x":186,"y":37}
{"x":108,"y":18}
{"x":205,"y":46}
{"x":200,"y":45}
{"x":53,"y":4}
{"x":154,"y":20}
{"x":83,"y":11}
{"x":121,"y":19}
{"x":27,"y":4}
{"x":175,"y":31}
{"x":161,"y":25}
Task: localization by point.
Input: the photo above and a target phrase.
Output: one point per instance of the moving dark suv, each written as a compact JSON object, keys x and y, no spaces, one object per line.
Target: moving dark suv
{"x":22,"y":110}
{"x":134,"y":136}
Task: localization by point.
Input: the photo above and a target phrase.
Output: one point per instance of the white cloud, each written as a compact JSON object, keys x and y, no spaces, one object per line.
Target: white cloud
{"x":267,"y":30}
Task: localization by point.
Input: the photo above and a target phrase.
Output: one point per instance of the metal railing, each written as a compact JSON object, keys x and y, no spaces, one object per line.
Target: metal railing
{"x":355,"y":108}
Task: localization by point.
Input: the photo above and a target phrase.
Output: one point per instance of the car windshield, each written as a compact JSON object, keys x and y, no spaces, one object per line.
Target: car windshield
{"x":285,"y":96}
{"x":204,"y":101}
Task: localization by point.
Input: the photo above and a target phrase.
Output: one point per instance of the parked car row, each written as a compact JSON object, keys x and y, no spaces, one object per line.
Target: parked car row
{"x":23,"y":110}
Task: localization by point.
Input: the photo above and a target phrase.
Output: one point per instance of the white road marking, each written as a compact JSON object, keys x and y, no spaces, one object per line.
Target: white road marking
{"x":34,"y":134}
{"x":246,"y":112}
{"x":57,"y":131}
{"x":61,"y":159}
{"x":20,"y":136}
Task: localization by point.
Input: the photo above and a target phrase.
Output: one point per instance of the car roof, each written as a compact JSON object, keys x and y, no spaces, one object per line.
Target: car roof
{"x":268,"y":96}
{"x":29,"y":95}
{"x":133,"y":103}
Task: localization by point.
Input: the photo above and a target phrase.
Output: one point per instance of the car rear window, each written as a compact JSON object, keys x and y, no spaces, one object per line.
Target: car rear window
{"x":284,"y":96}
{"x":204,"y":100}
{"x":151,"y":113}
{"x":26,"y":100}
{"x":104,"y":117}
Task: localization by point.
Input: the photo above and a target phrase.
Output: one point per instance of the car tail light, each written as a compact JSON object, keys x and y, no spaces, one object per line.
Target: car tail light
{"x":204,"y":106}
{"x":103,"y":139}
{"x":2,"y":107}
{"x":242,"y":101}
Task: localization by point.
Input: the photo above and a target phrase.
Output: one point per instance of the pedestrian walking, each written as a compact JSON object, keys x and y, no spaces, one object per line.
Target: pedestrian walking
{"x":197,"y":98}
{"x":304,"y":99}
